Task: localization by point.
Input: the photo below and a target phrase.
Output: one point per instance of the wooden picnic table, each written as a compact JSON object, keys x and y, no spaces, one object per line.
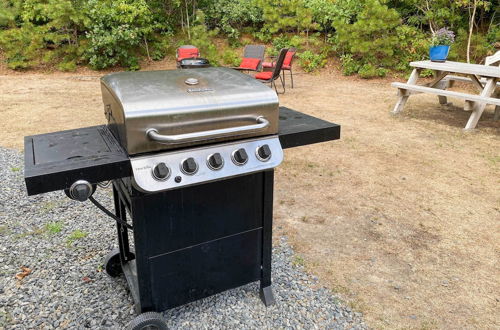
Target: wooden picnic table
{"x":484,"y":78}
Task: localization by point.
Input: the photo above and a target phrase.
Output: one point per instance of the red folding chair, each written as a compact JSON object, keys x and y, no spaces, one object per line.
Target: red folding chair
{"x":186,"y":51}
{"x":253,"y":55}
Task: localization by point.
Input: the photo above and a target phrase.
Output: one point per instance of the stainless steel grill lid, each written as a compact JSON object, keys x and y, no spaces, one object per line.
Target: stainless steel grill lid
{"x":159,"y":110}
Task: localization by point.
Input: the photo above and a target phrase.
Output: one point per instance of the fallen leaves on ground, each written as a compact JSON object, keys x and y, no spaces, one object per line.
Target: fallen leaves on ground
{"x":25,"y":271}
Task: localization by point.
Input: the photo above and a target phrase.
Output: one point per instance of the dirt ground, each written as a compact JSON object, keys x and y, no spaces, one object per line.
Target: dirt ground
{"x":401,"y":216}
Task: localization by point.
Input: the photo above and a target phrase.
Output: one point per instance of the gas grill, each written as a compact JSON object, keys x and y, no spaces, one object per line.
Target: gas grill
{"x":191,"y":157}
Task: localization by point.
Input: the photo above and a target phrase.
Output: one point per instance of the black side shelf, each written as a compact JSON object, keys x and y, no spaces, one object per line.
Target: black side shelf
{"x":54,"y":161}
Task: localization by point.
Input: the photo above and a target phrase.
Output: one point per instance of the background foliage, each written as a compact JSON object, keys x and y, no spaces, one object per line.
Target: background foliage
{"x":368,"y":37}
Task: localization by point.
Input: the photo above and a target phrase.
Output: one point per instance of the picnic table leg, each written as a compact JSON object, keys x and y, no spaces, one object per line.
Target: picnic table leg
{"x":477,"y":111}
{"x":442,"y":84}
{"x":496,"y":116}
{"x":403,"y":95}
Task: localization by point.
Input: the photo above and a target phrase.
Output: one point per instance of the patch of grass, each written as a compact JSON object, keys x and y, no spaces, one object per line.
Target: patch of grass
{"x":429,"y":324}
{"x":298,"y":261}
{"x":5,"y":319}
{"x":4,"y":229}
{"x":76,"y":235}
{"x":15,"y":169}
{"x":49,"y":206}
{"x":54,"y":227}
{"x":494,"y":160}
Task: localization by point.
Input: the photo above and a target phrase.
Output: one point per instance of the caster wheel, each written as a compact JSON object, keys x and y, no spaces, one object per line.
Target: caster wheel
{"x":113,"y":264}
{"x":148,"y":321}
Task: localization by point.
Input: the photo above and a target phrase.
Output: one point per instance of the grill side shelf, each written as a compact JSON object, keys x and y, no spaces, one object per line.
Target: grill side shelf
{"x":298,"y":129}
{"x":54,"y":161}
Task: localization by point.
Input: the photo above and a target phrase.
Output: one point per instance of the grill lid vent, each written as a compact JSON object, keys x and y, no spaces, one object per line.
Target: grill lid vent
{"x":191,"y":81}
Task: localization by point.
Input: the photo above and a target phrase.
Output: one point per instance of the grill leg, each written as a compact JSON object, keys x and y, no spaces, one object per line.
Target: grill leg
{"x":123,"y":242}
{"x":266,"y":293}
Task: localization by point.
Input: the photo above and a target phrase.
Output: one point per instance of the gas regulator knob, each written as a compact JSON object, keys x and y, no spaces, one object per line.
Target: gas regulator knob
{"x":80,"y":190}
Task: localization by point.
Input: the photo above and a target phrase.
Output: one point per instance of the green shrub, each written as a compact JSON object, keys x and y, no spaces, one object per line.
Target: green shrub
{"x":230,"y":16}
{"x":349,"y":65}
{"x":326,"y":12}
{"x":22,"y":46}
{"x":229,"y":57}
{"x":310,"y":61}
{"x":367,"y":71}
{"x":41,"y":31}
{"x":480,"y":47}
{"x":9,"y":11}
{"x":67,"y":66}
{"x":202,"y":38}
{"x":372,"y":37}
{"x":286,"y":16}
{"x":282,"y":41}
{"x":116,"y":29}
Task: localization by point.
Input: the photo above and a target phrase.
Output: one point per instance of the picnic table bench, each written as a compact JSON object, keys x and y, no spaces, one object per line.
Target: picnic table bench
{"x":484,"y":77}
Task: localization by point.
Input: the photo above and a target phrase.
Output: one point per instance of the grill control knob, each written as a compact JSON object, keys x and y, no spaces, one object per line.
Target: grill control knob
{"x":264,"y":153}
{"x":189,"y":166}
{"x":161,"y":172}
{"x":215,"y":161}
{"x":240,"y":156}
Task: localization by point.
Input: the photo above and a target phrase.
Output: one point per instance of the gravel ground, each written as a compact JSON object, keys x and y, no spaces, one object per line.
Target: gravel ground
{"x":64,"y":242}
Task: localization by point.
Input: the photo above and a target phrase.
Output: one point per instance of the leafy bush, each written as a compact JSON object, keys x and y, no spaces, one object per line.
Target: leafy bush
{"x":372,"y":37}
{"x":43,"y":31}
{"x":326,"y":12}
{"x":412,"y":45}
{"x":349,"y":65}
{"x":104,"y":33}
{"x":310,"y":61}
{"x":115,"y":30}
{"x":9,"y":11}
{"x":286,"y":16}
{"x":229,"y":57}
{"x":480,"y":47}
{"x":230,"y":16}
{"x":202,"y":38}
{"x":22,"y":46}
{"x":368,"y":71}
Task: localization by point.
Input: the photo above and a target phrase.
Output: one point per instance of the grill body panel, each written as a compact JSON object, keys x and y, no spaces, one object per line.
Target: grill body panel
{"x":188,"y":248}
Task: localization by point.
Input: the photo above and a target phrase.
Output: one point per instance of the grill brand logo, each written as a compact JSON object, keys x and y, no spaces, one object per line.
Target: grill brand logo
{"x":147,"y":167}
{"x":199,"y":90}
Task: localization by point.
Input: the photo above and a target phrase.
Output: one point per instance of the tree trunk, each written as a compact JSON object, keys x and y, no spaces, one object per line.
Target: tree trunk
{"x":471,"y":28}
{"x":187,"y":20}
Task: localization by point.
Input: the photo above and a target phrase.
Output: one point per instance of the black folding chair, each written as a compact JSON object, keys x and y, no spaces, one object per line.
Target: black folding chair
{"x":271,"y":76}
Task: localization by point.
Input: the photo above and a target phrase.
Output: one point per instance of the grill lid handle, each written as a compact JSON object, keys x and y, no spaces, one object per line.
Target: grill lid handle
{"x":153,"y":134}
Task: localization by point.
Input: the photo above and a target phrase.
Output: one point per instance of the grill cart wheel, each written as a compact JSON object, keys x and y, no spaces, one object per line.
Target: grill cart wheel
{"x":112,"y":263}
{"x":149,"y":321}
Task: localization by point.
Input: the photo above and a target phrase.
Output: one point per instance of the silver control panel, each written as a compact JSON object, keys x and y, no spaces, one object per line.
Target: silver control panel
{"x":175,"y":169}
